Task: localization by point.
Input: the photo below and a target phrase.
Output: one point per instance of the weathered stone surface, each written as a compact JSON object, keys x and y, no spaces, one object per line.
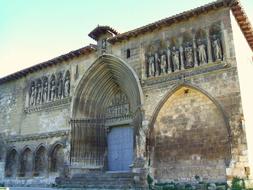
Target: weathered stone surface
{"x":187,"y":120}
{"x":191,"y":138}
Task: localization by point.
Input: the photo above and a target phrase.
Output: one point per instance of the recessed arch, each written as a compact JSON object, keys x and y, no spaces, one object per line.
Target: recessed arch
{"x":190,"y":135}
{"x":40,"y":160}
{"x":101,"y":73}
{"x":26,"y":162}
{"x":56,"y":157}
{"x":187,"y":85}
{"x":104,"y":80}
{"x":11,"y":163}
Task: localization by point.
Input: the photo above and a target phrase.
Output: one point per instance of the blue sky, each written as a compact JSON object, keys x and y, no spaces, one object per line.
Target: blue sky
{"x":33,"y":31}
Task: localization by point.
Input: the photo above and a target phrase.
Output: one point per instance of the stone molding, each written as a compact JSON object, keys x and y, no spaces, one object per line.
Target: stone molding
{"x":19,"y":138}
{"x":49,"y":105}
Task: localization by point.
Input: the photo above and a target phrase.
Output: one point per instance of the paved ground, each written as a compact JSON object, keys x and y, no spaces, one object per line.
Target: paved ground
{"x":30,"y":188}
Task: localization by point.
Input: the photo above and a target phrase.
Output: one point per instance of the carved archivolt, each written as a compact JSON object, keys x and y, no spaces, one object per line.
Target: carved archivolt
{"x":189,"y":50}
{"x":49,"y":88}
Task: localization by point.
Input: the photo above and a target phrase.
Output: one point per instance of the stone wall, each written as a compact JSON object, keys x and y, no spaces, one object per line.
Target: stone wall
{"x":191,"y":138}
{"x":191,"y":115}
{"x":42,"y":125}
{"x":223,"y":87}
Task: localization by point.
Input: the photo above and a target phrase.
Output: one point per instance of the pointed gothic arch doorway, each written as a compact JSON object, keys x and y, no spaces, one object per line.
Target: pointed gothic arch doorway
{"x":106,"y":116}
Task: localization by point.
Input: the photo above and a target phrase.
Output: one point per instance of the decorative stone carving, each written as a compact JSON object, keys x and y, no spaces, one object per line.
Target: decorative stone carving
{"x":45,"y":90}
{"x":39,"y":92}
{"x":45,"y":93}
{"x":163,"y":63}
{"x":216,"y":46}
{"x":188,"y":53}
{"x":67,"y":84}
{"x":118,"y":107}
{"x":60,"y":85}
{"x":191,"y":49}
{"x":175,"y":58}
{"x":168,"y":53}
{"x":104,"y":44}
{"x":53,"y":89}
{"x":151,"y":65}
{"x":202,"y":54}
{"x":32,"y":94}
{"x":157,"y":64}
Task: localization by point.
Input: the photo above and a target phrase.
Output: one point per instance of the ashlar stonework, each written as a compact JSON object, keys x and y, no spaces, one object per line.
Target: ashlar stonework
{"x":163,"y":100}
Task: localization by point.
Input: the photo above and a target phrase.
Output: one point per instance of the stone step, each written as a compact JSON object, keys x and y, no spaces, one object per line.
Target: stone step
{"x":100,"y":180}
{"x":116,"y":175}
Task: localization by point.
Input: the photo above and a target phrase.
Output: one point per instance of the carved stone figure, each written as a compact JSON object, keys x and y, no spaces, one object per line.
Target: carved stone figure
{"x":60,"y":85}
{"x":53,"y":89}
{"x":104,"y":44}
{"x":32,"y":94}
{"x":188,"y":50}
{"x":175,"y":58}
{"x":217,"y":52}
{"x":151,"y":65}
{"x":39,"y":92}
{"x":67,"y":85}
{"x":119,"y":106}
{"x":202,"y":52}
{"x":168,"y":57}
{"x":157,"y":65}
{"x":163,"y":64}
{"x":45,"y":90}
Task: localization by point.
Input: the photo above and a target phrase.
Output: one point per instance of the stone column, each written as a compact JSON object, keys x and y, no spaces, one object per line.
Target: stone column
{"x":194,"y":51}
{"x":224,"y":40}
{"x":209,"y":47}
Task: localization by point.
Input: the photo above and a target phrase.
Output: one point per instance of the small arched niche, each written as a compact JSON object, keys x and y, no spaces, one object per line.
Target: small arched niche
{"x":56,"y":158}
{"x":40,"y":161}
{"x":201,"y":44}
{"x":11,"y":163}
{"x":26,"y":163}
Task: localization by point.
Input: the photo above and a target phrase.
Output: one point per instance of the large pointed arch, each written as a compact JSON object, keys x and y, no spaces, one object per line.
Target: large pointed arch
{"x":107,"y":77}
{"x":189,"y":133}
{"x":99,"y":83}
{"x":191,"y":86}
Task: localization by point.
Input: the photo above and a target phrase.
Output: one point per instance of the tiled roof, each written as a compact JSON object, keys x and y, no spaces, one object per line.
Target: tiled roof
{"x":100,"y":30}
{"x":234,"y":5}
{"x":243,"y":22}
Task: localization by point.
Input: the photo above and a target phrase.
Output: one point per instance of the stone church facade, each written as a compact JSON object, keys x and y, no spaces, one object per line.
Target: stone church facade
{"x":163,"y":99}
